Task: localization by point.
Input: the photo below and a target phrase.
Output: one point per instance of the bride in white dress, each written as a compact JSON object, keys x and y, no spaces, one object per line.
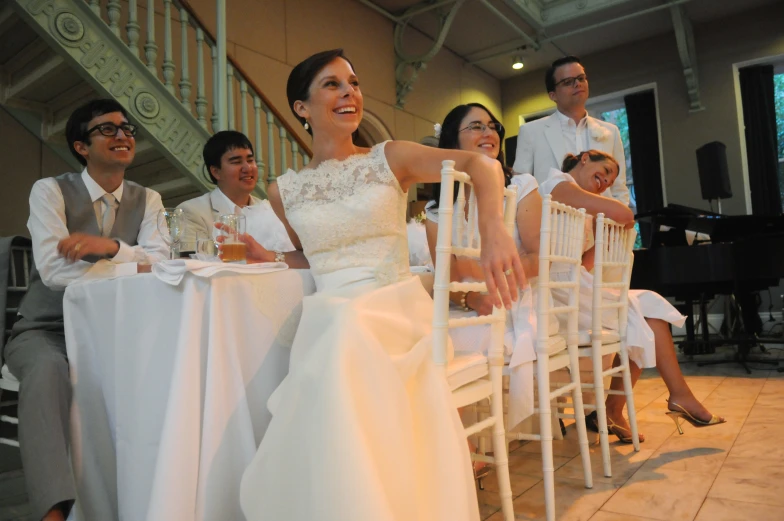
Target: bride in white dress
{"x":363,"y":426}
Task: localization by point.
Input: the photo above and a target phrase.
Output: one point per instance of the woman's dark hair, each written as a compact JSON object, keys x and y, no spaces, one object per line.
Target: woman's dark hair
{"x":450,"y":138}
{"x":220,"y":143}
{"x":76,"y":127}
{"x":301,"y":77}
{"x":571,"y":160}
{"x":549,"y":75}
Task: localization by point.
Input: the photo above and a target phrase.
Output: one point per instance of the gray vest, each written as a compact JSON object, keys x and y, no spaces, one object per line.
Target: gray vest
{"x":42,"y":307}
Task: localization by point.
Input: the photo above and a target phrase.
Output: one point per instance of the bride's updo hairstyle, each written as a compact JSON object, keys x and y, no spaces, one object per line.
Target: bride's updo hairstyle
{"x":300,"y":79}
{"x":571,"y":160}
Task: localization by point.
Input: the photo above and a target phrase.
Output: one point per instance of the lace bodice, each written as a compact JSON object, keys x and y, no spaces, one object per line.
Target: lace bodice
{"x":349,"y":214}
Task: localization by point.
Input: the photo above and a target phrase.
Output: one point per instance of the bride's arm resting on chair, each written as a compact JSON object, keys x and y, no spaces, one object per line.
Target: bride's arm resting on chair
{"x":413,"y":163}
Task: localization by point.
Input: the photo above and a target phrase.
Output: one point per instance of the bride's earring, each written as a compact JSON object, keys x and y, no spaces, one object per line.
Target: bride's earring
{"x":306,"y":125}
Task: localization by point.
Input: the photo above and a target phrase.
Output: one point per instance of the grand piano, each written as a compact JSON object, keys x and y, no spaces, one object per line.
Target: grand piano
{"x":745,"y":254}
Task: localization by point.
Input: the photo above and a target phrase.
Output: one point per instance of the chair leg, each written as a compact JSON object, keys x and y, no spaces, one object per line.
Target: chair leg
{"x":601,"y":409}
{"x":627,"y":389}
{"x":501,"y":457}
{"x":579,"y":415}
{"x":546,"y":435}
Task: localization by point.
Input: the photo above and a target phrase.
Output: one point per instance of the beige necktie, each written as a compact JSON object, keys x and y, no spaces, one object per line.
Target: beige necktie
{"x":109,"y":210}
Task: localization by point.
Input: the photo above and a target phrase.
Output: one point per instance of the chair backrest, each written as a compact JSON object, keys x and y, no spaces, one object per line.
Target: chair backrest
{"x":613,"y":260}
{"x":560,"y":250}
{"x":466,"y":244}
{"x":17,"y":267}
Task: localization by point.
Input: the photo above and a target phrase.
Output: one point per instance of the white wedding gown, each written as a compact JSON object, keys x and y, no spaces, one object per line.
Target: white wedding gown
{"x":363,"y":426}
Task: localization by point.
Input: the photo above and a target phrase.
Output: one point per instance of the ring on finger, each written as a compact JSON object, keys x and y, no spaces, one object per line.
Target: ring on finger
{"x":508,"y":272}
{"x":78,"y":246}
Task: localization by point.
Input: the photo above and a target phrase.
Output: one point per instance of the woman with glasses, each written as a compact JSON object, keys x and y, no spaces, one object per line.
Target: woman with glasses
{"x":472,"y":127}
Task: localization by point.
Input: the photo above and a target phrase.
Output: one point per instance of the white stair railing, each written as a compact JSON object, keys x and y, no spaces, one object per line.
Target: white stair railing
{"x":277,"y":145}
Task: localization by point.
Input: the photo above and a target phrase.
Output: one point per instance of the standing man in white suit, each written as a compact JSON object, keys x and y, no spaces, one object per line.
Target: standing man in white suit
{"x":543,"y":144}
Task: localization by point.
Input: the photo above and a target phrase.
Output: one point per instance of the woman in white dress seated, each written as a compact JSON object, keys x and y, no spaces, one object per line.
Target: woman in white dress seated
{"x":474,"y":128}
{"x":363,"y":426}
{"x":648,"y":333}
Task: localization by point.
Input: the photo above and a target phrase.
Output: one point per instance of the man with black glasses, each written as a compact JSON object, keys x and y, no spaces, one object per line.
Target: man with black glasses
{"x":76,"y":219}
{"x":542,"y":144}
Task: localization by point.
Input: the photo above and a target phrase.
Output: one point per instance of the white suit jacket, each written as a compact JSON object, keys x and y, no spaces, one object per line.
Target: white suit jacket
{"x":262,"y":224}
{"x":540,"y":147}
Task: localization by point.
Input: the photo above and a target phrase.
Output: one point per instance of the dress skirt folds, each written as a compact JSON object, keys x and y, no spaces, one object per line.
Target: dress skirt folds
{"x":363,"y":426}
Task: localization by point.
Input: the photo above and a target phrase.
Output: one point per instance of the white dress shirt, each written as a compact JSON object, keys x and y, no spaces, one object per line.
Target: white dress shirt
{"x":262,"y":223}
{"x":575,"y":135}
{"x":47,"y":227}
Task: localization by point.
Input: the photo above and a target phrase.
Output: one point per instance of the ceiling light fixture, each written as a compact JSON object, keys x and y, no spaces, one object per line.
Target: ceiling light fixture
{"x":517,"y":64}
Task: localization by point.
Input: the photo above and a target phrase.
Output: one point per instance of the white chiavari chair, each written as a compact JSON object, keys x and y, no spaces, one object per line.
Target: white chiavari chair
{"x":613,"y":256}
{"x":473,"y":377}
{"x":560,"y":251}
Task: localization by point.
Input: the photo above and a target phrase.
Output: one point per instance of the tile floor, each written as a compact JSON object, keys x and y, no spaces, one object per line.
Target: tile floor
{"x":729,"y":472}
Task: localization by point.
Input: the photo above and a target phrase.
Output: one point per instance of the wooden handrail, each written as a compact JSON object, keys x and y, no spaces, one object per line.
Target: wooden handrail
{"x":248,"y":79}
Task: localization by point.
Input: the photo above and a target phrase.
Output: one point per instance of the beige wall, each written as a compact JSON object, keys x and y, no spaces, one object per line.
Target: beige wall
{"x":719,"y":44}
{"x":269,"y":37}
{"x":26,"y":160}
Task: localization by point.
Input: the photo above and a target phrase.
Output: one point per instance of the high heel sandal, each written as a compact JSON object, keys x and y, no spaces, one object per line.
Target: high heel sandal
{"x":480,"y":474}
{"x":614,"y":428}
{"x":696,"y":422}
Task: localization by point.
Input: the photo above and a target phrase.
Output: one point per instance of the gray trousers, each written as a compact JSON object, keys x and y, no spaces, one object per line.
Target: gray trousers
{"x":38,"y":360}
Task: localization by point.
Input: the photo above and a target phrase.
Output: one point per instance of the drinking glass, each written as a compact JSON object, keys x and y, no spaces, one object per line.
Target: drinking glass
{"x":231,"y":229}
{"x":206,"y":249}
{"x":171,"y":225}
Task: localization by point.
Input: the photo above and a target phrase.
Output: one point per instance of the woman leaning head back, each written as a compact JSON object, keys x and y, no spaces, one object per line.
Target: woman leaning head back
{"x":593,"y":170}
{"x":323,"y":93}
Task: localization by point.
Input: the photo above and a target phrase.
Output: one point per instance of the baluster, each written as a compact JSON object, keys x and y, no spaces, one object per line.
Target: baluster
{"x":113,"y":13}
{"x":257,"y":121}
{"x":132,"y":28}
{"x":185,"y":83}
{"x":282,"y":137}
{"x":215,"y":100}
{"x":294,"y":153}
{"x":95,"y":5}
{"x":201,"y":101}
{"x":244,"y":105}
{"x":151,"y":48}
{"x":168,"y":63}
{"x":270,"y":147}
{"x":230,"y":95}
{"x":305,"y":159}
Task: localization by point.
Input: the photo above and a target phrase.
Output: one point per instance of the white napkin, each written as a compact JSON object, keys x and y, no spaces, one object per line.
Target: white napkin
{"x":105,"y":269}
{"x":172,"y":271}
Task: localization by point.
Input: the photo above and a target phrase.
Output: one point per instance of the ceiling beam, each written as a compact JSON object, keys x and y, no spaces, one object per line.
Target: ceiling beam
{"x":525,"y":36}
{"x":566,"y":11}
{"x":684,"y":36}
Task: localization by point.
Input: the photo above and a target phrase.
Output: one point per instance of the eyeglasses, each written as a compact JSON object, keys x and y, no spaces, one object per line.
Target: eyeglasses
{"x":110,"y":129}
{"x":481,"y":127}
{"x":569,"y":82}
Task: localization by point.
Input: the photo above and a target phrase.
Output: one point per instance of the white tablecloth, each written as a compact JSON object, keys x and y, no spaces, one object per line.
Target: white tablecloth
{"x":170,"y":389}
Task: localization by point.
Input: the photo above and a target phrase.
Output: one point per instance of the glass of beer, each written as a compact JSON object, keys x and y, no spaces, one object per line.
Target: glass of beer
{"x":232,"y":247}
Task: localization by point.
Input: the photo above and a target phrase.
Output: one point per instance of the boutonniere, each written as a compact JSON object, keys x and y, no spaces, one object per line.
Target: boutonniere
{"x":598,"y":133}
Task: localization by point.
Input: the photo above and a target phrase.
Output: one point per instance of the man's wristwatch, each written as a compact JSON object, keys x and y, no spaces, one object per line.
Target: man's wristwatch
{"x":280,"y":256}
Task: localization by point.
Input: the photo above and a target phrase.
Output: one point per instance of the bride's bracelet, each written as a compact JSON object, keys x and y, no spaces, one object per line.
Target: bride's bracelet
{"x":463,"y":302}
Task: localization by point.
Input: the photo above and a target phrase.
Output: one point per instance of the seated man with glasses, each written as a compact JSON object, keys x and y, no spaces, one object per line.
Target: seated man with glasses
{"x":542,"y":144}
{"x":75,"y":220}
